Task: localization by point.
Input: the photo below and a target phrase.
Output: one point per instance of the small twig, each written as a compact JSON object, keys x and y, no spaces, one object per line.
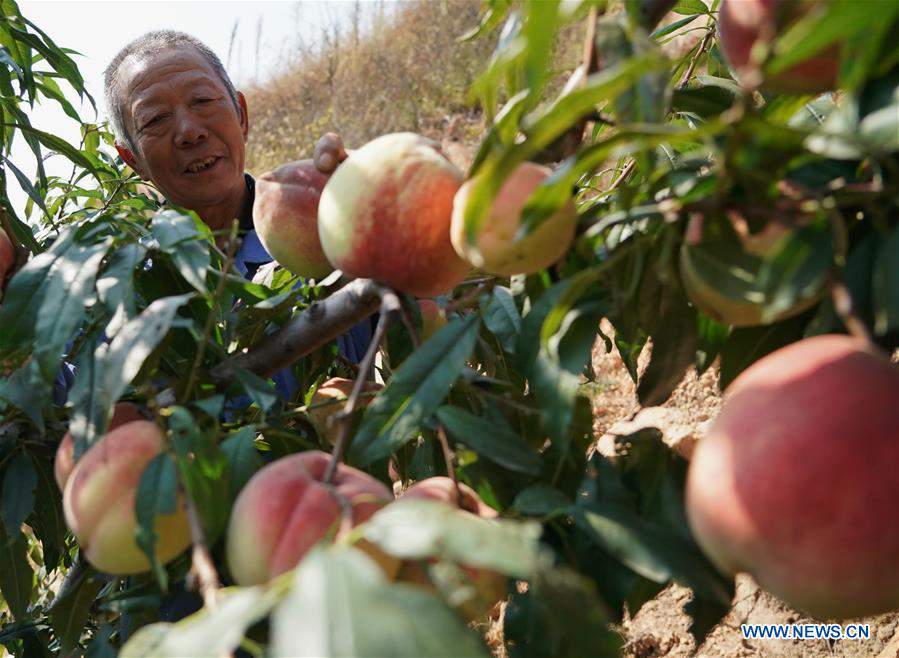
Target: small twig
{"x":695,"y":59}
{"x":448,"y":458}
{"x":202,"y":567}
{"x":845,"y":309}
{"x":73,"y":579}
{"x":465,"y":300}
{"x":210,"y":319}
{"x":629,"y":167}
{"x":390,"y":303}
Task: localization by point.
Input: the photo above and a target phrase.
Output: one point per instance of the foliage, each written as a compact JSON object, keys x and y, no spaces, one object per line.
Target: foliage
{"x":145,"y":303}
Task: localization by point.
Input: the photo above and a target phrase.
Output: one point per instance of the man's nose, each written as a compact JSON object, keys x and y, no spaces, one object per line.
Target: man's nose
{"x":189,"y":129}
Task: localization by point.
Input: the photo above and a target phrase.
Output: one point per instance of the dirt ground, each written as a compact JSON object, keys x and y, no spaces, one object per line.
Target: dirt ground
{"x":660,"y":627}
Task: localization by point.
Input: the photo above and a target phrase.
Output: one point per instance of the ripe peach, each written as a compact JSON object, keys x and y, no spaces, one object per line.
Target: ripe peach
{"x":432,"y":318}
{"x":385,"y":215}
{"x":328,"y":400}
{"x":99,"y":501}
{"x":285,"y":214}
{"x":795,"y":481}
{"x":741,"y":23}
{"x":495,"y":249}
{"x":489,"y":585}
{"x":124,"y":412}
{"x":285,"y":509}
{"x":7,"y":258}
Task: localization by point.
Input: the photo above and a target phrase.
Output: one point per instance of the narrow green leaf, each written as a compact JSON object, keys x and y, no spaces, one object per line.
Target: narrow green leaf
{"x":492,"y":439}
{"x":179,"y":236}
{"x":16,"y":576}
{"x":17,"y":494}
{"x":156,"y":495}
{"x":501,"y":317}
{"x":415,"y":391}
{"x":69,"y":616}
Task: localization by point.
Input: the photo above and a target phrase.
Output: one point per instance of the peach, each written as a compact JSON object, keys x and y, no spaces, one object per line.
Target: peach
{"x":489,"y":585}
{"x":7,"y":257}
{"x":124,"y":412}
{"x":795,"y":482}
{"x":432,"y":318}
{"x":285,"y":214}
{"x":99,"y":496}
{"x":495,"y":249}
{"x":385,"y":215}
{"x":328,"y":400}
{"x":742,"y":23}
{"x":285,"y":509}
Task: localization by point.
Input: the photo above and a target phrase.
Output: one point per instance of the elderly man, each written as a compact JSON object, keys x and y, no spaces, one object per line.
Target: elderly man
{"x":180,"y":123}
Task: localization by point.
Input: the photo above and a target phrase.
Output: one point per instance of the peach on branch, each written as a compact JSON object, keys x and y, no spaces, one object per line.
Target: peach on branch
{"x":286,"y":508}
{"x":99,"y":501}
{"x":795,"y":482}
{"x":7,"y":258}
{"x":385,"y":215}
{"x":329,"y":400}
{"x":743,"y":25}
{"x":124,"y":412}
{"x":495,"y":248}
{"x":489,"y":586}
{"x":285,"y":214}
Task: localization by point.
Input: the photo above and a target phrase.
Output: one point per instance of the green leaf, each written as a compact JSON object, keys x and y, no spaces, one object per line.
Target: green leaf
{"x":156,"y":495}
{"x":544,"y":127}
{"x":242,"y":457}
{"x":688,"y":7}
{"x":17,"y":494}
{"x":501,"y":317}
{"x":560,"y":616}
{"x":415,"y":391}
{"x":651,"y":551}
{"x":493,"y":439}
{"x":885,"y":285}
{"x":16,"y":576}
{"x":179,"y":236}
{"x":418,"y":529}
{"x":27,"y":390}
{"x":540,"y":500}
{"x":214,"y":631}
{"x":115,"y":284}
{"x":340,"y":604}
{"x":674,"y":341}
{"x":261,"y":391}
{"x":63,"y":304}
{"x":117,"y":363}
{"x":69,"y":616}
{"x":675,"y":26}
{"x":47,"y":519}
{"x":746,"y":345}
{"x":23,"y":295}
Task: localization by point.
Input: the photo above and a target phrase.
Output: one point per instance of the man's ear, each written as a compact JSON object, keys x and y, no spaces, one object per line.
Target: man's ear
{"x":130,"y":160}
{"x":244,"y":114}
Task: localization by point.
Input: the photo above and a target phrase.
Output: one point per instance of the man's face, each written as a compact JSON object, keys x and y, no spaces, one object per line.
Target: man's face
{"x":189,"y":136}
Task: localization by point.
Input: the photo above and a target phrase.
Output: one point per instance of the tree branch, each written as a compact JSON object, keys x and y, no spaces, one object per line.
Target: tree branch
{"x":316,"y":326}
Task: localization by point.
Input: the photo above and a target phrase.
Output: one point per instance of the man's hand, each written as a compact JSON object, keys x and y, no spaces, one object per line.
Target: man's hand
{"x":329,"y":152}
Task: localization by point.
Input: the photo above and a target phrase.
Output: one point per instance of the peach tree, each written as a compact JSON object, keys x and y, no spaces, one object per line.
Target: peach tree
{"x":714,"y":202}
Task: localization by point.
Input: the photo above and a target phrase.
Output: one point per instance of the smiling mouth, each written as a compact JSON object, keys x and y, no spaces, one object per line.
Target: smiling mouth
{"x":202,"y":165}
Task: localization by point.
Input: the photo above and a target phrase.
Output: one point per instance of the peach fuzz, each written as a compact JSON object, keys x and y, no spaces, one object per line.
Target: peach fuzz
{"x":99,"y":497}
{"x":385,"y":215}
{"x":285,"y":509}
{"x":495,"y":249}
{"x":795,"y":482}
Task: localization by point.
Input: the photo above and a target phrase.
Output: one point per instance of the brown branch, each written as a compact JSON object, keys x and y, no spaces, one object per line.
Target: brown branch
{"x":448,"y":458}
{"x":203,"y":568}
{"x":845,"y":310}
{"x":390,"y":304}
{"x":316,"y":326}
{"x":695,"y":59}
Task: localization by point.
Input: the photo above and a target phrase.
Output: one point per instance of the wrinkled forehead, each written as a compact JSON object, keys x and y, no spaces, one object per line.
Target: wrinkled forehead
{"x":145,"y":75}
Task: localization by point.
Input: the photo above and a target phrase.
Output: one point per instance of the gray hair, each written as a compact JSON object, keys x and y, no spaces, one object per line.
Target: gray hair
{"x":149,"y":45}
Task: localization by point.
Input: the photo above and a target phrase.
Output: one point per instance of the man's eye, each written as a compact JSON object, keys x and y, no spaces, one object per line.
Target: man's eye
{"x":155,"y":120}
